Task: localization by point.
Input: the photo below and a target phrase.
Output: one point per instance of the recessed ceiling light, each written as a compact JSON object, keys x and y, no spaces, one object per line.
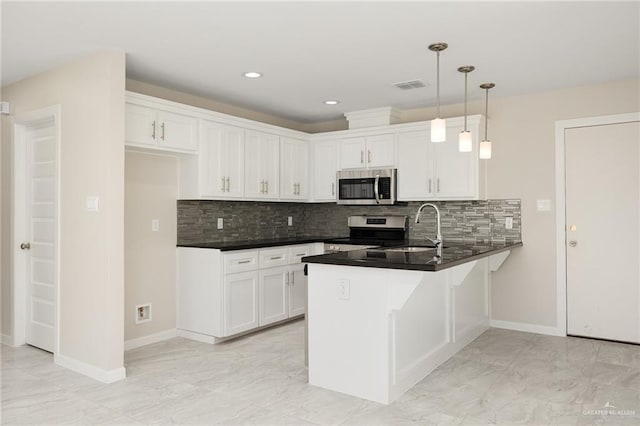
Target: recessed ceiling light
{"x":252,"y":74}
{"x":331,"y":102}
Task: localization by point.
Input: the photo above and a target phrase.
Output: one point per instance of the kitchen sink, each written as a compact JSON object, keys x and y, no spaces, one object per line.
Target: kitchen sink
{"x":411,"y":249}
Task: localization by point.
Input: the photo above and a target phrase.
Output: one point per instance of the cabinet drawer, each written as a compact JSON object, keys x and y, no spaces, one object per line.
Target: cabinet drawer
{"x":298,"y":252}
{"x":273,"y":257}
{"x":240,"y":262}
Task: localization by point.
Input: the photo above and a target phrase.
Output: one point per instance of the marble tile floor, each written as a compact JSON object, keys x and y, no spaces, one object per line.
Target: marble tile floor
{"x":503,"y":377}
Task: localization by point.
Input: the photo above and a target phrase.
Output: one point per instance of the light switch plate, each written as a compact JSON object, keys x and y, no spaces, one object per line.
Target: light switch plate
{"x":508,"y":223}
{"x":544,"y":205}
{"x":220,"y":223}
{"x":344,"y":289}
{"x":155,"y":225}
{"x":290,"y":221}
{"x":93,"y":203}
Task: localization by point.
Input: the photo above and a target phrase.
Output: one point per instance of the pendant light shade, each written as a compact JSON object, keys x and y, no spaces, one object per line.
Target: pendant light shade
{"x":438,"y":124}
{"x":438,"y":130}
{"x":465,"y":141}
{"x":485,"y":145}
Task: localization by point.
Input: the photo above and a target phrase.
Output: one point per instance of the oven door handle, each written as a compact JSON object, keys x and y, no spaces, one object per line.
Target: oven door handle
{"x":376,"y":190}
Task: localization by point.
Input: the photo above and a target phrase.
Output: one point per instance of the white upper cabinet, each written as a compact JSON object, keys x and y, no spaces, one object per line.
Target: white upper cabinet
{"x":294,"y":166}
{"x":373,"y":151}
{"x":261,"y":167}
{"x":158,"y":129}
{"x":221,"y":162}
{"x":438,"y":171}
{"x":325,"y":166}
{"x":415,"y":180}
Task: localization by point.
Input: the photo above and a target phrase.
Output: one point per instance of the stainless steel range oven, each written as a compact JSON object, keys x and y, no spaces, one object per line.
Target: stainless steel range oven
{"x":369,"y":187}
{"x":370,"y":231}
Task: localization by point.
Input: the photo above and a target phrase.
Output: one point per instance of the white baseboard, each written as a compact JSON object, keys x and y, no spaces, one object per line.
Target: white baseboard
{"x":151,"y":338}
{"x":7,"y":340}
{"x":104,"y":376}
{"x":198,"y":337}
{"x":529,"y":328}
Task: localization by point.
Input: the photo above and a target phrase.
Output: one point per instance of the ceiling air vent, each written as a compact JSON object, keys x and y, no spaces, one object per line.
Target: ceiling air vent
{"x":408,"y":85}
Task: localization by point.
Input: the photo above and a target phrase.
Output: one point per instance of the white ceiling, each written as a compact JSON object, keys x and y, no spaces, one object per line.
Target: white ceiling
{"x":351,"y":51}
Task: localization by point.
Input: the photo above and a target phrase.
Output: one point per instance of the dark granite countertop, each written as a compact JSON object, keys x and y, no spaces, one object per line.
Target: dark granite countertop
{"x":254,"y":244}
{"x":453,"y":254}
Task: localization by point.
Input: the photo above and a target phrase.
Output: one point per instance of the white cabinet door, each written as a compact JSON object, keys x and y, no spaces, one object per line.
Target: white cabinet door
{"x":380,"y":151}
{"x":294,"y":157}
{"x":454,"y":171}
{"x":141,"y":125}
{"x":221,"y":160}
{"x":352,"y":153}
{"x":158,"y":129}
{"x":274,"y":297}
{"x":325,"y":166}
{"x":297,"y":290}
{"x":414,"y":166}
{"x":176,"y":131}
{"x":261,"y":165}
{"x":241,"y":298}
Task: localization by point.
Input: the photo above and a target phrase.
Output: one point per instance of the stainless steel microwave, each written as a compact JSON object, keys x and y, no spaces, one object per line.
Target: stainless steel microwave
{"x":369,"y":187}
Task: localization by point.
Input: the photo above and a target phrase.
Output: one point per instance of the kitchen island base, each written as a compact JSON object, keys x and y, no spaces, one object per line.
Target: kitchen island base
{"x":374,"y":333}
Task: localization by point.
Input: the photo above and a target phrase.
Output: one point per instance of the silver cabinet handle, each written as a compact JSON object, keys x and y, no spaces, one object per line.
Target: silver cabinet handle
{"x":333,"y":188}
{"x":286,"y":280}
{"x":266,"y":186}
{"x":262,"y":187}
{"x":276,"y":257}
{"x":162,"y":134}
{"x":361,"y":156}
{"x":25,"y":246}
{"x":223,"y":187}
{"x":244,"y":261}
{"x":429,"y":185}
{"x":153,"y":129}
{"x":300,"y":254}
{"x":573,"y":243}
{"x":438,"y":185}
{"x":293,"y":278}
{"x":369,"y":157}
{"x":228,"y":184}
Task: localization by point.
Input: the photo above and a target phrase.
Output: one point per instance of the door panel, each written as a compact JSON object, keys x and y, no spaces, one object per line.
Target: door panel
{"x":380,"y":151}
{"x":297,"y":290}
{"x":454,"y":171}
{"x":414,"y":166}
{"x":603,"y":232}
{"x":241,"y":302}
{"x":42,"y":234}
{"x":273,"y":295}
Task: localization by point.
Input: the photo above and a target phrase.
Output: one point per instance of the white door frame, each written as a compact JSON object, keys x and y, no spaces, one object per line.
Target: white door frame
{"x":561,"y":225}
{"x":19,"y":124}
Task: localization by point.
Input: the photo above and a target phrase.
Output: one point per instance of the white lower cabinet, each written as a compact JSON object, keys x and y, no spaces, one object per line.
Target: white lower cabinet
{"x":240,"y":295}
{"x":222,"y":294}
{"x":274,"y":297}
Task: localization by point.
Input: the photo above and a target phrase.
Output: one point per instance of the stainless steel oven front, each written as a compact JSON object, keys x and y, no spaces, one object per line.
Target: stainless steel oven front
{"x":369,"y":187}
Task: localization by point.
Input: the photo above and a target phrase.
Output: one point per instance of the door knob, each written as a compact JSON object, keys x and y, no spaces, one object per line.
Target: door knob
{"x":25,"y":246}
{"x":573,"y":243}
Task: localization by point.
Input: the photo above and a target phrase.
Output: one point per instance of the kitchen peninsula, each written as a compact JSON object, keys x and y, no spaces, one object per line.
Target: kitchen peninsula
{"x":381,"y":319}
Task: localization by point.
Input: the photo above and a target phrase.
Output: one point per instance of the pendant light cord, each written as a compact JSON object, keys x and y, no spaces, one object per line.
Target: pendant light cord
{"x":486,"y":112}
{"x":466,"y":75}
{"x":438,"y":82}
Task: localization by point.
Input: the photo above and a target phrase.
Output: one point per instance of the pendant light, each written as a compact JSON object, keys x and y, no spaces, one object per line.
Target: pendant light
{"x":438,"y":124}
{"x":465,"y":141}
{"x":485,"y":145}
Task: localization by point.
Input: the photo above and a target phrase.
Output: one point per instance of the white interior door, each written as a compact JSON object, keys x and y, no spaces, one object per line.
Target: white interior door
{"x":40,"y":246}
{"x":603,"y":231}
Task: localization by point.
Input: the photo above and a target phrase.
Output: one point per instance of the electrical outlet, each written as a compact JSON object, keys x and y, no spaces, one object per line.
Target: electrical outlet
{"x":344,"y":289}
{"x":143,"y":313}
{"x":508,"y":223}
{"x":290,"y":221}
{"x":220,"y":223}
{"x":155,"y":225}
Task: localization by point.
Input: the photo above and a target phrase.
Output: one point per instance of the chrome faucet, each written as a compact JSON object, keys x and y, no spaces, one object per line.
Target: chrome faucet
{"x":438,"y":240}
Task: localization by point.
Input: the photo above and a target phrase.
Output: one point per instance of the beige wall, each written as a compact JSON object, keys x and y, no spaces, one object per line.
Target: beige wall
{"x":90,"y":92}
{"x":151,"y":190}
